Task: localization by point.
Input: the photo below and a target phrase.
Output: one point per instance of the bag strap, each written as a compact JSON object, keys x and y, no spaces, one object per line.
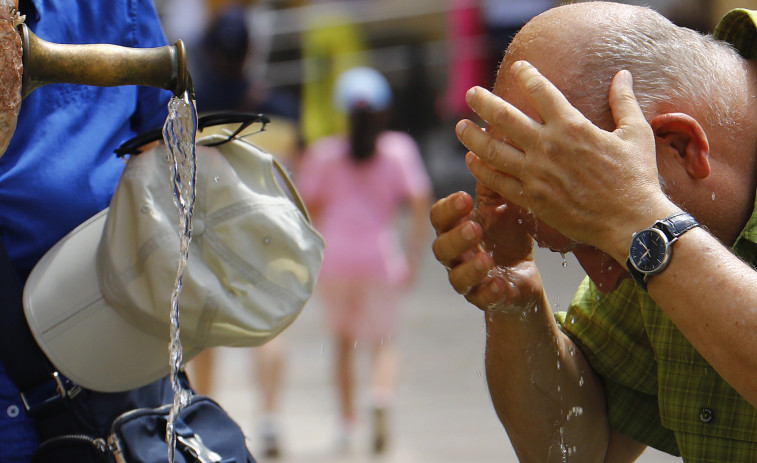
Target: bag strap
{"x":42,"y":388}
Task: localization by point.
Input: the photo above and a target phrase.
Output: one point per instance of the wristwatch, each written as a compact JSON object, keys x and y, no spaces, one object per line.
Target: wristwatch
{"x":651,"y":249}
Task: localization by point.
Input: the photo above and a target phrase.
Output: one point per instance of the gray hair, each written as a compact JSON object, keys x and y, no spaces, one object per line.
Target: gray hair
{"x":672,"y":67}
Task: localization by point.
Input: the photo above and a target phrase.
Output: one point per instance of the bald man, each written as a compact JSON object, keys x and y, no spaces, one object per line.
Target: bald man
{"x":616,"y":373}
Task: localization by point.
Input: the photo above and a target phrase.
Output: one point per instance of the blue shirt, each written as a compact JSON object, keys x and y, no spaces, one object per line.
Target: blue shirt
{"x":60,"y":168}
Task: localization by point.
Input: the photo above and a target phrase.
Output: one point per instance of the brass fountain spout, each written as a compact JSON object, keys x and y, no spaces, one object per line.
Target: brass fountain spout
{"x":102,"y":65}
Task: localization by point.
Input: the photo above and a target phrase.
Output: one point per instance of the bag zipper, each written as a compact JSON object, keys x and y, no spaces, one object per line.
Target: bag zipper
{"x":97,"y":442}
{"x":114,"y":443}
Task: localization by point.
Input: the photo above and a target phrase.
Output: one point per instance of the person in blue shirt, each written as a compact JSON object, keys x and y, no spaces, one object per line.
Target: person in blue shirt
{"x":59,"y":168}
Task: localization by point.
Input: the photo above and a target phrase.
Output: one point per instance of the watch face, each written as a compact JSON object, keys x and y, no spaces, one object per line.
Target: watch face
{"x":649,"y":250}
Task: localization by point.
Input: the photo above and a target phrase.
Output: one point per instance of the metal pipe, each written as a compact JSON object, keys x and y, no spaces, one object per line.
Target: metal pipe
{"x":102,"y":65}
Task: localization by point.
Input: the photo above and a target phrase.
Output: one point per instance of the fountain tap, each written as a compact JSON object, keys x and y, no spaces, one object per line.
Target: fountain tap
{"x":102,"y":65}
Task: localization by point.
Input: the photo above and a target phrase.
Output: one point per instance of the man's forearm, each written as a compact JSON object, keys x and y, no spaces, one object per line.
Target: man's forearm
{"x":711,"y":296}
{"x":543,"y":390}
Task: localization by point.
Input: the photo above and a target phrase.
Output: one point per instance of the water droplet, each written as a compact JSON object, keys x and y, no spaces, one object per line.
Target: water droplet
{"x":520,"y":221}
{"x":354,"y":347}
{"x":145,"y":209}
{"x":559,"y":388}
{"x":267,"y":240}
{"x":558,"y":364}
{"x":564,"y":261}
{"x":713,"y":196}
{"x":323,"y":346}
{"x":216,"y":179}
{"x":581,"y":381}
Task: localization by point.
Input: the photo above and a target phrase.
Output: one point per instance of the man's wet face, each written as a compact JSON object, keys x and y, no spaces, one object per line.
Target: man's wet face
{"x":604,"y":271}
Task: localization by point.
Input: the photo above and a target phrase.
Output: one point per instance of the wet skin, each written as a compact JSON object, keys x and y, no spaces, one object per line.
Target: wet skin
{"x":604,"y":271}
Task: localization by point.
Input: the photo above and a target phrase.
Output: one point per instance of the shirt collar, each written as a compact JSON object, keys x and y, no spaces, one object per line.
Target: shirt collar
{"x":746,"y":244}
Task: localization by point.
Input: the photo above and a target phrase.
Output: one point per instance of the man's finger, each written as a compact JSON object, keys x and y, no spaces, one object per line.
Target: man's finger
{"x":498,"y":154}
{"x":450,"y":247}
{"x":625,"y":108}
{"x":502,"y":116}
{"x":470,"y":273}
{"x":547,"y":100}
{"x":490,"y":295}
{"x":449,"y":211}
{"x":507,"y":186}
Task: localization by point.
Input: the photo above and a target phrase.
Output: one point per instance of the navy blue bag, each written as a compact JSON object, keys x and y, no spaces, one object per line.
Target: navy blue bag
{"x":204,"y":433}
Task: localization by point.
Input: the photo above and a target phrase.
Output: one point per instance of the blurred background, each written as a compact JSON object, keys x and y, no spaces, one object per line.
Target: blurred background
{"x":289,"y":52}
{"x":281,"y":58}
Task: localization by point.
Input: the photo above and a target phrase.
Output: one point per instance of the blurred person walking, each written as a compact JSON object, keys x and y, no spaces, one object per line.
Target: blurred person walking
{"x":355,"y":185}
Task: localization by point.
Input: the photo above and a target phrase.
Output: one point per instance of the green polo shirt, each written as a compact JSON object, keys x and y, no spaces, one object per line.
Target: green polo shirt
{"x":659,"y":390}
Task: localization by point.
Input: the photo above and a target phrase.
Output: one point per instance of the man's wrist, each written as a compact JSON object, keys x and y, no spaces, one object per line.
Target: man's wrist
{"x":625,"y":231}
{"x":652,"y":248}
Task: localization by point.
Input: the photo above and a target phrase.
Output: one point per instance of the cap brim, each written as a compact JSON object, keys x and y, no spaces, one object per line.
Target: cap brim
{"x":739,"y":28}
{"x":85,"y":338}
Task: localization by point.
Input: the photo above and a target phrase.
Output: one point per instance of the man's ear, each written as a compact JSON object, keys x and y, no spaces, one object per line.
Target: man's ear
{"x":683,"y":134}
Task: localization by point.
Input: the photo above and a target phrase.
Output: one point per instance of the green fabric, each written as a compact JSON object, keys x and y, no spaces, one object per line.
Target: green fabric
{"x":739,"y":29}
{"x":659,"y":390}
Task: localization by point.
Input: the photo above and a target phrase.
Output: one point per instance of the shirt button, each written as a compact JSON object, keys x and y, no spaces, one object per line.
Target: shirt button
{"x":12,"y":411}
{"x":705,"y":415}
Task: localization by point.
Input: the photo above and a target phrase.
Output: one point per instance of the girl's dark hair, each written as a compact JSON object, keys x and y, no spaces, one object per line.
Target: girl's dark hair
{"x":365,"y":127}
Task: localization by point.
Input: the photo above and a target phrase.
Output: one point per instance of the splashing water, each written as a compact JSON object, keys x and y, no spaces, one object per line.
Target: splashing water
{"x":179,"y":135}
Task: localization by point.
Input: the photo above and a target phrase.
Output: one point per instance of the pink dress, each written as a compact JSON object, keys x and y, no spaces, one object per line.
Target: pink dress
{"x":364,"y":265}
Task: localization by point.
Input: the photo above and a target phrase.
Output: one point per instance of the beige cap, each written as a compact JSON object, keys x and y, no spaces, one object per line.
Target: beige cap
{"x":98,"y":303}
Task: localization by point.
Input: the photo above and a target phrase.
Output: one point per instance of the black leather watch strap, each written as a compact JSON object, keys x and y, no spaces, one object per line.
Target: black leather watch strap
{"x":673,"y":227}
{"x":676,"y":225}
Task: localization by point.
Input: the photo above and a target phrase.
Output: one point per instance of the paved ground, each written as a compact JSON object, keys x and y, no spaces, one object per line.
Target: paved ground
{"x":442,"y":415}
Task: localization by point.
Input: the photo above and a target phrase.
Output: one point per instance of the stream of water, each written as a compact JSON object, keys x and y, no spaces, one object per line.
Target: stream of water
{"x":179,"y":135}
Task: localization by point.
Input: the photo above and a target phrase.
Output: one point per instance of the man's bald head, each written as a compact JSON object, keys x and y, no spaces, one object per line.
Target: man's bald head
{"x":581,"y":46}
{"x":697,"y":93}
